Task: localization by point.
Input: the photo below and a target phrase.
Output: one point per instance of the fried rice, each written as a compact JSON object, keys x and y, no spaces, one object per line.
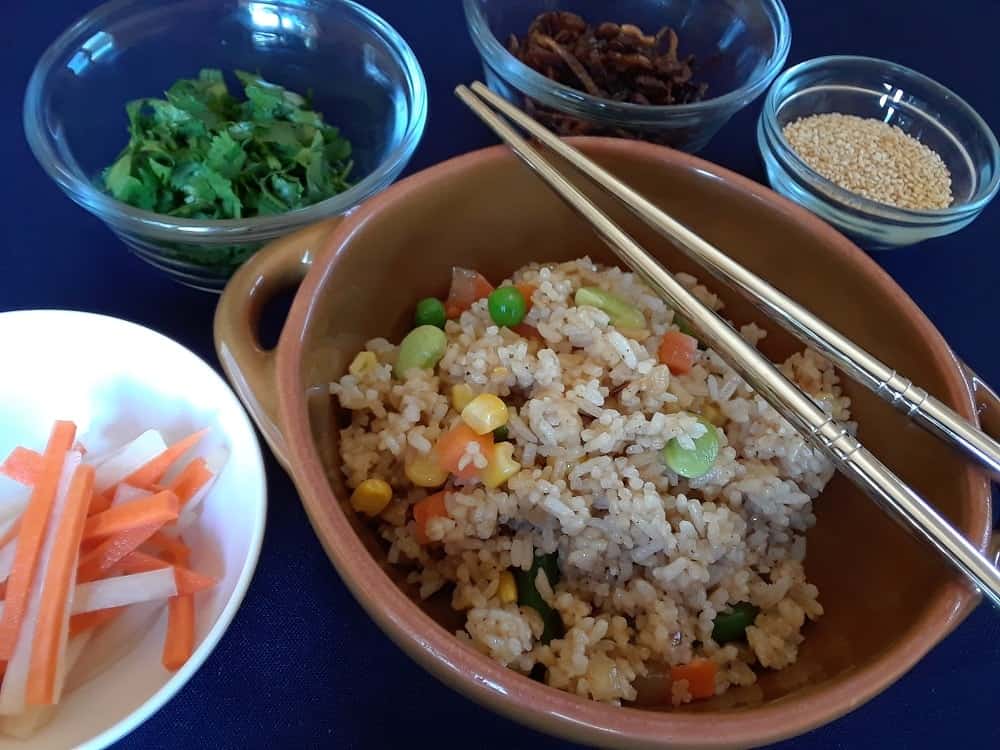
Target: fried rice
{"x":647,"y":559}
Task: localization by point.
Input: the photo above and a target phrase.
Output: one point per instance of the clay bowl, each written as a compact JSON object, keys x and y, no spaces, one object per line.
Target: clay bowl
{"x":887,"y":597}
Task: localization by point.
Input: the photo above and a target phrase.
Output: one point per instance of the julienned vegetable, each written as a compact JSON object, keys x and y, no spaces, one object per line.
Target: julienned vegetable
{"x":73,"y":559}
{"x":528,"y":595}
{"x":693,"y":462}
{"x":201,"y":153}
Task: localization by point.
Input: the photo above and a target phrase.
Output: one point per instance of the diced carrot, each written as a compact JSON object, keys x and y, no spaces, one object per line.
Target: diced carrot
{"x":700,"y":676}
{"x":466,"y":287}
{"x":528,"y":332}
{"x":191,"y":479}
{"x":99,"y":561}
{"x":155,"y":469}
{"x":424,"y":510}
{"x":451,"y":446}
{"x":156,"y":509}
{"x":32,"y":531}
{"x":50,"y":632}
{"x":188,"y":581}
{"x":23,"y":465}
{"x":89,"y":620}
{"x":677,"y":351}
{"x":527,"y":291}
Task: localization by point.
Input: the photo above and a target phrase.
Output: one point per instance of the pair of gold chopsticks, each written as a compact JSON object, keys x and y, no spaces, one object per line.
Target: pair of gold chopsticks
{"x":850,"y":457}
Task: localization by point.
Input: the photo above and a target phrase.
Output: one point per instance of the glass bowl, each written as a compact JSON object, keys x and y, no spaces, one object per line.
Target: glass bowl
{"x":739,"y":47}
{"x":361,"y":74}
{"x":921,"y":107}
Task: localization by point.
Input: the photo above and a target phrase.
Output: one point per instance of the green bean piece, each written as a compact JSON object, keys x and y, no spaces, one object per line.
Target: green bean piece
{"x":528,"y":596}
{"x":422,"y":348}
{"x":500,"y":434}
{"x":731,"y":625}
{"x":622,"y":314}
{"x":696,"y":462}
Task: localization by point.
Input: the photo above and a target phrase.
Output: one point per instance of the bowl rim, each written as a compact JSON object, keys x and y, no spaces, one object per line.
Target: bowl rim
{"x":566,"y":98}
{"x":180,"y":678}
{"x":142,"y":222}
{"x":828,"y":191}
{"x":511,"y":694}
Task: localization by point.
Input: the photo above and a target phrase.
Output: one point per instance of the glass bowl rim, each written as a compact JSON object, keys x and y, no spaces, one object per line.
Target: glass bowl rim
{"x":558,"y":95}
{"x":249,"y":229}
{"x":828,"y":191}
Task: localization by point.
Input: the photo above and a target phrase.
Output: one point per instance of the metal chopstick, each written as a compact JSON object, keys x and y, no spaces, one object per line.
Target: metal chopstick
{"x":861,"y":365}
{"x":820,"y":430}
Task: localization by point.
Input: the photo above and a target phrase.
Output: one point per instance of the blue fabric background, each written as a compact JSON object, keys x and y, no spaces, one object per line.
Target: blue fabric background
{"x":302,"y":666}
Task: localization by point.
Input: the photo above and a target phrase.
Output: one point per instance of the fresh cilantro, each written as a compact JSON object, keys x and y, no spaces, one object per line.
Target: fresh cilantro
{"x":201,"y":153}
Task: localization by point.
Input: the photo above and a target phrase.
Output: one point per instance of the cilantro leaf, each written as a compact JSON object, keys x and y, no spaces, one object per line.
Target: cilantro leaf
{"x":200,"y":152}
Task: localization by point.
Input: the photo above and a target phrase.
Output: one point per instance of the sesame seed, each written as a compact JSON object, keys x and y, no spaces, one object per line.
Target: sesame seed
{"x":873,"y":159}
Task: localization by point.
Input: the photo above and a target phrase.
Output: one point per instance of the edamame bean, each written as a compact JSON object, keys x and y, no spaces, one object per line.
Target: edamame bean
{"x":693,"y":462}
{"x":622,"y":314}
{"x":422,"y":348}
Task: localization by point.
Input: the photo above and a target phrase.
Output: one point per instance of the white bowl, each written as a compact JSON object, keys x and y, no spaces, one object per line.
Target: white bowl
{"x":115,"y":379}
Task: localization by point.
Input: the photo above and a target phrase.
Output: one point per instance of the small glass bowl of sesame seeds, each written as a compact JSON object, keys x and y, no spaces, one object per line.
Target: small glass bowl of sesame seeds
{"x":883,"y":153}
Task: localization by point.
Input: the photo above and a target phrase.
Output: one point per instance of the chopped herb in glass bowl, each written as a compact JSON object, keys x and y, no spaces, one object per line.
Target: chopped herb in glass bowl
{"x":202,"y":153}
{"x":219,"y":163}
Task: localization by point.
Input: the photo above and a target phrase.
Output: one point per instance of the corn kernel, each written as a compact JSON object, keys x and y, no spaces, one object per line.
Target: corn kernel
{"x":363,"y":363}
{"x":507,"y":591}
{"x":424,"y":470}
{"x":371,"y":497}
{"x":713,"y":413}
{"x":461,"y":395}
{"x":501,"y":466}
{"x":500,"y":372}
{"x":485,"y":413}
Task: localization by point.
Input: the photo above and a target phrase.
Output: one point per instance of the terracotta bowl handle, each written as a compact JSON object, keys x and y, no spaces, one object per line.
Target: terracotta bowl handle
{"x":988,"y":409}
{"x":280,"y":265}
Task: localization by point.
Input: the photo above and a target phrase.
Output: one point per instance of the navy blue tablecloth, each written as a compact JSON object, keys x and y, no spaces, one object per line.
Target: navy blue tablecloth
{"x":302,"y":666}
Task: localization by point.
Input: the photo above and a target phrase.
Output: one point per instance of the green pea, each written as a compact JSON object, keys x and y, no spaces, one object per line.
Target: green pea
{"x":528,"y":596}
{"x":500,"y":434}
{"x":430,"y":312}
{"x":731,"y":625}
{"x":507,"y":306}
{"x":693,"y":463}
{"x":622,"y":314}
{"x":422,"y":348}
